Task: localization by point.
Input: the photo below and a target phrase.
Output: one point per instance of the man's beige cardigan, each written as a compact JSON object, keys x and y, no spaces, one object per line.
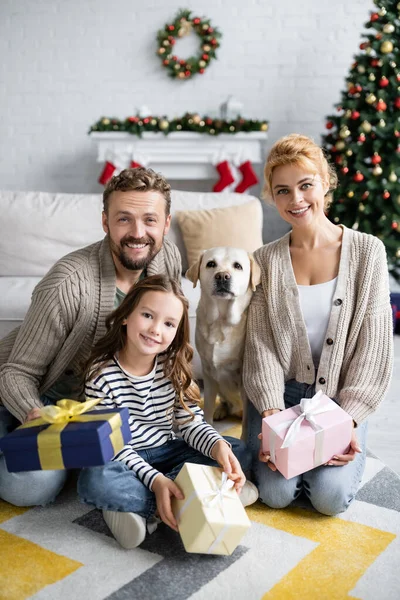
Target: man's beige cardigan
{"x":66,"y":317}
{"x":356,"y":361}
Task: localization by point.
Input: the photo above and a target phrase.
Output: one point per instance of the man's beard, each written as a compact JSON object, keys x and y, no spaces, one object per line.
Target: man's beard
{"x":126,"y":261}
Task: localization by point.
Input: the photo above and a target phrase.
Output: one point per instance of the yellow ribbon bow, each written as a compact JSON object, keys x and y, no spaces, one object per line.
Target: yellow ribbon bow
{"x":58,"y":417}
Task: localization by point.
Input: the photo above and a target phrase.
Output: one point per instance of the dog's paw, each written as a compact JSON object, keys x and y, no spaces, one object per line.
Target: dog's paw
{"x":221,"y":411}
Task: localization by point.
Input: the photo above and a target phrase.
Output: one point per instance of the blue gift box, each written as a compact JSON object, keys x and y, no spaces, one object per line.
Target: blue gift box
{"x":89,"y":440}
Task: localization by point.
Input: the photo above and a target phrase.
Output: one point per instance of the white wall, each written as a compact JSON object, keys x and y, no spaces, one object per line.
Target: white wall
{"x":65,"y":63}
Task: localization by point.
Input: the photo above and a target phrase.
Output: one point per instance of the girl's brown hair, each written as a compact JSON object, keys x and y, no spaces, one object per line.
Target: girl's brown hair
{"x":179,"y":354}
{"x":297,"y":149}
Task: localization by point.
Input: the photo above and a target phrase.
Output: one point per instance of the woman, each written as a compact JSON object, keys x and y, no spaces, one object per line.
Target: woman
{"x":320,"y":320}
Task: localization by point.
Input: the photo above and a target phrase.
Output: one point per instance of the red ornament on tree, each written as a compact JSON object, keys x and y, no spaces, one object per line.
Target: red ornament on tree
{"x":381,"y":106}
{"x":345,"y":170}
{"x":171,"y":27}
{"x":383,"y":82}
{"x":329,"y":125}
{"x":205,"y":56}
{"x":361,"y":138}
{"x":365,"y":195}
{"x":364,"y":45}
{"x":395,"y":225}
{"x":196,"y":20}
{"x":355,"y":115}
{"x":376,"y":159}
{"x":397,"y":103}
{"x":374,"y":62}
{"x":358,"y":177}
{"x":374,"y":17}
{"x":386,"y":195}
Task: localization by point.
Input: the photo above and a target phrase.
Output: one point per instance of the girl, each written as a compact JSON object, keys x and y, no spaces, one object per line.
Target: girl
{"x":143,"y":363}
{"x":321,"y":320}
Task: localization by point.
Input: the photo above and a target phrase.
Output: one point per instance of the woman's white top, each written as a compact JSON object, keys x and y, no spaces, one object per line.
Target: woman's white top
{"x":316,"y":305}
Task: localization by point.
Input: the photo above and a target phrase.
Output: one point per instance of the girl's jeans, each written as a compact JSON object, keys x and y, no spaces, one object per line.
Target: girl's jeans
{"x":115,"y":487}
{"x":27,"y":488}
{"x":329,"y":489}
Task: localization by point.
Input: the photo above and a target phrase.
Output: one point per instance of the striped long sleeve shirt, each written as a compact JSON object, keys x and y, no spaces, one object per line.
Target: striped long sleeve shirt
{"x":154,"y":411}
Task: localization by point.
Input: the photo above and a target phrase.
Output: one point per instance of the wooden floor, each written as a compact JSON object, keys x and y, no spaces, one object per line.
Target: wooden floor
{"x":384,"y":424}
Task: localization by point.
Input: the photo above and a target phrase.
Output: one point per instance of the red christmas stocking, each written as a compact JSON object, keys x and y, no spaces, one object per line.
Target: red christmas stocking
{"x":249,"y":177}
{"x":225,"y":176}
{"x":134,"y":164}
{"x":107,"y":172}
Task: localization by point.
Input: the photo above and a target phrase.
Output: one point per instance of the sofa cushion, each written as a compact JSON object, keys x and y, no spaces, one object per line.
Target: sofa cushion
{"x":237,"y":226}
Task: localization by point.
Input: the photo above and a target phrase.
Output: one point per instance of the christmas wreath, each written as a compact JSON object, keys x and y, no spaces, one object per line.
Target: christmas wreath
{"x":183,"y":25}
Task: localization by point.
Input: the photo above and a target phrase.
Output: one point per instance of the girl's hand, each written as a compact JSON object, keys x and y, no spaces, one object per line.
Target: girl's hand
{"x":264,"y":456}
{"x":34,"y":413}
{"x":340,"y":460}
{"x":164,"y":490}
{"x":224,"y":456}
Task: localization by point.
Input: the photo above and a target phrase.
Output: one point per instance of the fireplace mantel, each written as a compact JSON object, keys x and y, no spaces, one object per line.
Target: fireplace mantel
{"x":180,"y":155}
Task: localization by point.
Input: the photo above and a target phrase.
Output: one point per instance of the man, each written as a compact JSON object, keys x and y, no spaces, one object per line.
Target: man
{"x":40,"y":361}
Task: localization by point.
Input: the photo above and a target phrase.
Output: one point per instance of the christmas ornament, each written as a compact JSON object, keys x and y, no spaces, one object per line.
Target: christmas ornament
{"x":366,"y":126}
{"x":386,"y":47}
{"x":355,"y":115}
{"x":381,"y":106}
{"x":397,"y":103}
{"x":344,"y":132}
{"x":392,"y":177}
{"x":388,"y":28}
{"x":386,"y":195}
{"x":358,"y":177}
{"x":383,"y":82}
{"x":382,"y":11}
{"x":361,"y":207}
{"x":395,"y":225}
{"x":329,"y":125}
{"x":382,"y":123}
{"x":350,"y":194}
{"x":182,"y":25}
{"x":371,"y":77}
{"x":349,"y":152}
{"x":377,"y":171}
{"x":340,"y":145}
{"x":376,"y":159}
{"x":370,"y":99}
{"x":345,"y":170}
{"x":374,"y":17}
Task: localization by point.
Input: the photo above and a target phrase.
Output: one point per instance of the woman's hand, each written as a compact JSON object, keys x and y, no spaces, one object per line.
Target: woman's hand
{"x":224,"y":456}
{"x":340,"y":460}
{"x":164,"y":489}
{"x":264,"y":456}
{"x":34,"y":413}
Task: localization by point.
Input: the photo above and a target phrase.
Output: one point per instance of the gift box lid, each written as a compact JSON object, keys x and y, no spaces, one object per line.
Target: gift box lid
{"x":74,"y":433}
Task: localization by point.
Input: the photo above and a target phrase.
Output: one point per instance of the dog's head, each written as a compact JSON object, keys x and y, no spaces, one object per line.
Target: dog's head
{"x":225,"y":272}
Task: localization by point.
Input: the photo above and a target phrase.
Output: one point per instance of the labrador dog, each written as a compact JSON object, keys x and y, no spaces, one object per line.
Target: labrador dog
{"x":228,"y":277}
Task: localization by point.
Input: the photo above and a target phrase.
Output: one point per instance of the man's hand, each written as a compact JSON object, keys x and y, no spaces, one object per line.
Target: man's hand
{"x":164,"y":490}
{"x":224,"y":456}
{"x":340,"y":460}
{"x":34,"y":413}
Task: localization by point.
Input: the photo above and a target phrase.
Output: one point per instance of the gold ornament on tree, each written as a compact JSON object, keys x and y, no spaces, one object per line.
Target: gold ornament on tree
{"x":377,"y":170}
{"x":392,"y":177}
{"x":185,"y":28}
{"x":370,"y":99}
{"x":388,"y":28}
{"x":366,"y":126}
{"x":386,"y":47}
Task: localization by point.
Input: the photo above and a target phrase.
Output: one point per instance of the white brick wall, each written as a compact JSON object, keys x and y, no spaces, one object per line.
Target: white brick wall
{"x":64,"y":63}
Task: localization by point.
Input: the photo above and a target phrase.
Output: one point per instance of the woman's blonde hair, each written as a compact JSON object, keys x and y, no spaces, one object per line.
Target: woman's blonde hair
{"x":178,"y":362}
{"x":300,"y":150}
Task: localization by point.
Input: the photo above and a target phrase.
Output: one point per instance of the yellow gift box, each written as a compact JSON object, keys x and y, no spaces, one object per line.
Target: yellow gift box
{"x":211,"y":518}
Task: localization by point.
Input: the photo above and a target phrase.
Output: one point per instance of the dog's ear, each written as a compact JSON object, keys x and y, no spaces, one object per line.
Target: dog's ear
{"x":255,"y":273}
{"x":193,"y":272}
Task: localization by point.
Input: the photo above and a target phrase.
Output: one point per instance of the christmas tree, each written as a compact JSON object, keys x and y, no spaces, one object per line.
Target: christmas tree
{"x":363,"y":137}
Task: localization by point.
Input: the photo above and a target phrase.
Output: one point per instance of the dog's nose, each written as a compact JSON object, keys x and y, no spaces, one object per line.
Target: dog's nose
{"x":222,"y":276}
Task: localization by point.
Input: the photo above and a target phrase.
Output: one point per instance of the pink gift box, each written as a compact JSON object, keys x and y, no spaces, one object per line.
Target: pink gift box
{"x":313,"y":431}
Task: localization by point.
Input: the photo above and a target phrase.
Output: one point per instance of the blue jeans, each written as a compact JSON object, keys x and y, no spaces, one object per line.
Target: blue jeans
{"x":330,"y":489}
{"x":26,"y":488}
{"x":116,"y":487}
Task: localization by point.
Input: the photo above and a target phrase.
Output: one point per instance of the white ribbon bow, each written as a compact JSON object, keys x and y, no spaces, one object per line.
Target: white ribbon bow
{"x":308,"y":409}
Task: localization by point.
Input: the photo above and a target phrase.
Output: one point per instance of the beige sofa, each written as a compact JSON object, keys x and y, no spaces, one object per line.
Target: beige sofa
{"x":38,"y":228}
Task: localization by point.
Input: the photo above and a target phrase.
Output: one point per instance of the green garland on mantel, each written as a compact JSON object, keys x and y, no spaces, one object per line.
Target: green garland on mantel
{"x":137,"y":125}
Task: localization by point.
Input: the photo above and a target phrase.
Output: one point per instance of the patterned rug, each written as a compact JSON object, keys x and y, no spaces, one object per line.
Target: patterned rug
{"x":66,"y":551}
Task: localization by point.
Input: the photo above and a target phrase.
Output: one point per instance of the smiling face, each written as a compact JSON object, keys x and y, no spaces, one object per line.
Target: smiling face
{"x":153,"y":324}
{"x":225,"y":272}
{"x":136,"y":223}
{"x":299,"y":194}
